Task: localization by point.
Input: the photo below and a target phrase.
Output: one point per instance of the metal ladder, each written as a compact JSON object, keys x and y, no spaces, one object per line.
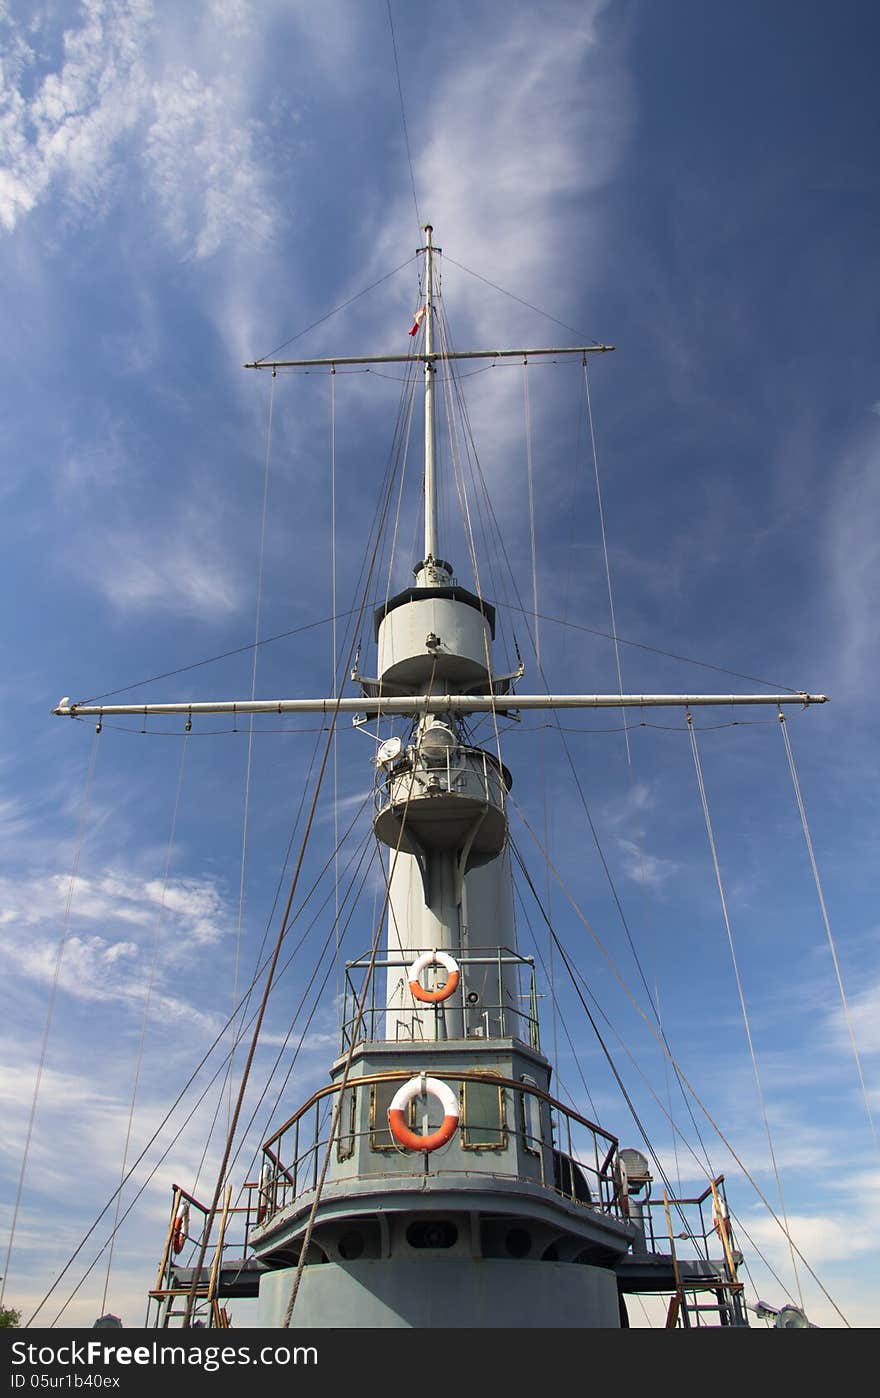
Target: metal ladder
{"x":690,"y":1302}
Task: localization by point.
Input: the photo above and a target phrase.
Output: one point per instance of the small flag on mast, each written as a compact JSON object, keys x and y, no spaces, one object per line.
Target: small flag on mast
{"x":417,"y":320}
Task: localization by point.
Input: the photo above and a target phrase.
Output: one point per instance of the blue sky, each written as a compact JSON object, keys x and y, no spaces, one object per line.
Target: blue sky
{"x":185,"y":187}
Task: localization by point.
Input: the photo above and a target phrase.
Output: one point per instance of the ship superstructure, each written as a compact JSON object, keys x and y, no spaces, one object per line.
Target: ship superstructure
{"x":436,"y":1179}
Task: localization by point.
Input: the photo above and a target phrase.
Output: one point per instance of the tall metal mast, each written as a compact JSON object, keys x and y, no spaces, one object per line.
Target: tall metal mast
{"x":430,"y":371}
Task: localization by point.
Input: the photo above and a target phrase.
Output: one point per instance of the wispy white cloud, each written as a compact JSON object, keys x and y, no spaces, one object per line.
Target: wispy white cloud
{"x":201,"y":158}
{"x":181,"y":566}
{"x":69,"y":131}
{"x":641,"y":866}
{"x":852,"y":560}
{"x":863,"y":1013}
{"x":115,"y":920}
{"x":119,"y":95}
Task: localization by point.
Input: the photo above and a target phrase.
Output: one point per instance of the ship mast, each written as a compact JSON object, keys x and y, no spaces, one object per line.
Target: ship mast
{"x":430,"y":432}
{"x":431,"y":572}
{"x":452,"y":1188}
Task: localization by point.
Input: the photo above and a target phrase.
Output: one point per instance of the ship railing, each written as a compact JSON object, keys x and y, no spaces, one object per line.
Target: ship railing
{"x":697,"y":1234}
{"x":496,"y":998}
{"x":456,"y":771}
{"x":225,"y":1254}
{"x":533,"y":1139}
{"x":695,"y":1222}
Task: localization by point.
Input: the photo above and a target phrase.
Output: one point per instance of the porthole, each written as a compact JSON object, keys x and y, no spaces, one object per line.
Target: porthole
{"x":432,"y":1233}
{"x":351,"y":1245}
{"x":518,"y":1242}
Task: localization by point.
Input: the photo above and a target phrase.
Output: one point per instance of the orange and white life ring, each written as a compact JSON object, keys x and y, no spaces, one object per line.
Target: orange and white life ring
{"x":431,"y":958}
{"x":180,"y":1229}
{"x":720,"y":1219}
{"x":406,"y":1094}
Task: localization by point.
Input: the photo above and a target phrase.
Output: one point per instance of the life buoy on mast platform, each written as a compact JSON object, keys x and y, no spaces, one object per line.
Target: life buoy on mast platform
{"x":432,"y":958}
{"x":406,"y":1094}
{"x":180,"y":1229}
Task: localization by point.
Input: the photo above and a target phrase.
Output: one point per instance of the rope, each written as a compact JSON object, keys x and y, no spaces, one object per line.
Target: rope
{"x":552,"y":968}
{"x":703,"y":1108}
{"x":356,"y":1025}
{"x":250,"y":742}
{"x":604,"y":1047}
{"x":815,"y":868}
{"x":354,"y":893}
{"x":607,"y":564}
{"x":529,"y":474}
{"x":653,"y":650}
{"x":212,"y":659}
{"x":655,"y":999}
{"x":457,"y":398}
{"x":412,"y":178}
{"x":178,"y":1099}
{"x":62,"y":942}
{"x":260,"y":965}
{"x":334,"y":678}
{"x":341,"y":307}
{"x":513,"y":297}
{"x":557,"y":724}
{"x":518,"y":895}
{"x":742,"y":1000}
{"x":367,"y":569}
{"x":145,"y":1021}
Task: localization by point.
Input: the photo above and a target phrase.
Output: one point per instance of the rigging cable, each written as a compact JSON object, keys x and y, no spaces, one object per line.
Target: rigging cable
{"x":354,"y":893}
{"x":558,"y":725}
{"x":513,"y":297}
{"x":148,"y":999}
{"x":412,"y":177}
{"x":569,"y":968}
{"x":640,"y":645}
{"x":678,"y":1070}
{"x":604,"y":1047}
{"x":742,"y":1000}
{"x":260,"y":965}
{"x":359,"y":1015}
{"x":335,"y":678}
{"x":250,"y":742}
{"x":815,"y":868}
{"x":367,"y":571}
{"x":493,"y":518}
{"x":222,"y":1067}
{"x":341,"y":307}
{"x":607,"y":564}
{"x":626,"y":726}
{"x":705,"y":1167}
{"x":466,"y":516}
{"x":56,"y":975}
{"x":457,"y":399}
{"x":527,"y":414}
{"x":536,"y":944}
{"x":218,"y":1039}
{"x":507,"y":606}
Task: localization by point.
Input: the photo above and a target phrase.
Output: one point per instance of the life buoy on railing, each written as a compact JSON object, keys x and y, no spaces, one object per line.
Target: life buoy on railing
{"x":720,"y":1220}
{"x":264,"y":1196}
{"x":431,"y":958}
{"x":180,"y":1229}
{"x":406,"y":1094}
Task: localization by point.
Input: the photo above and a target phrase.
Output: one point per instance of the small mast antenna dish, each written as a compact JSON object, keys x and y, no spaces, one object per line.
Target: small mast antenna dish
{"x":388,"y":751}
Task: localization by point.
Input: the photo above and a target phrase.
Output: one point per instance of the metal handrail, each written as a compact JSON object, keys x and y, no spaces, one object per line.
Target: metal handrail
{"x":285,"y":1180}
{"x":450,"y":765}
{"x":508,"y":1016}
